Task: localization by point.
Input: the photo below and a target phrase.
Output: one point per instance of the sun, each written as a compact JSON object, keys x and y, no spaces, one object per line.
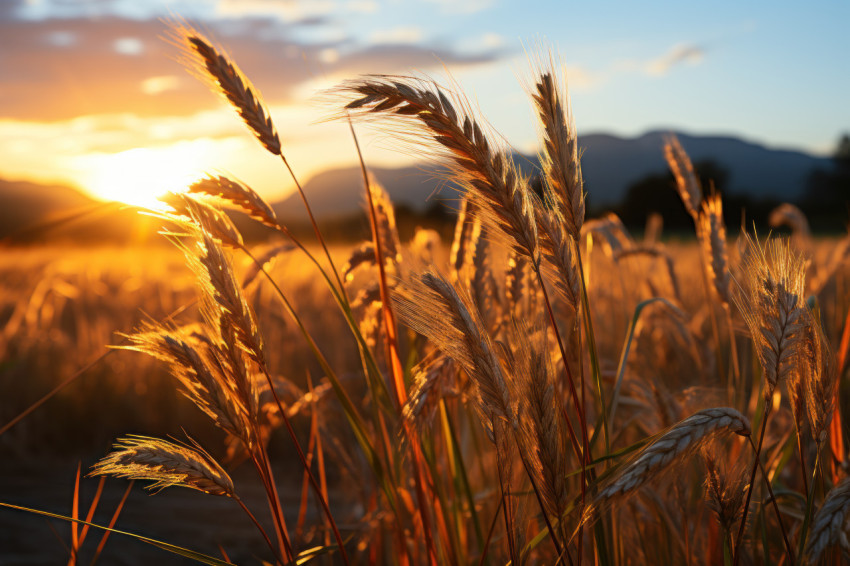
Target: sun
{"x":138,"y":176}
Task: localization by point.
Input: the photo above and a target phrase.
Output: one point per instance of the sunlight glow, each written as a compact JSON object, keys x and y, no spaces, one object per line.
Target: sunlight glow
{"x":139,"y":176}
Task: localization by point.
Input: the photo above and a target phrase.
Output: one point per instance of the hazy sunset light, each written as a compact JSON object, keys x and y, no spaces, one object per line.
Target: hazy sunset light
{"x":728,"y":70}
{"x":139,"y":176}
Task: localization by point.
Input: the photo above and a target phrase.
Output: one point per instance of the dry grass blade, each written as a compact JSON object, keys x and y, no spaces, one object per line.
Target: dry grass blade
{"x":673,"y":446}
{"x":214,"y":66}
{"x":828,"y":523}
{"x":238,"y":195}
{"x":560,"y":150}
{"x":489,"y":175}
{"x":686,"y":180}
{"x":166,"y":464}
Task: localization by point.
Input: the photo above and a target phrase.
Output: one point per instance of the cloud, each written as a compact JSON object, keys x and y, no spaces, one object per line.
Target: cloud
{"x":57,"y":69}
{"x":286,"y":10}
{"x":409,"y":34}
{"x":677,"y":55}
{"x":462,"y":6}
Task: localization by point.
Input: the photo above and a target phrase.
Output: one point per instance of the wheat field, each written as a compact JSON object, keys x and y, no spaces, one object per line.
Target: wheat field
{"x":538,"y":388}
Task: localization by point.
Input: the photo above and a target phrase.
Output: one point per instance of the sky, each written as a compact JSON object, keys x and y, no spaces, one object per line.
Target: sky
{"x":91,"y":94}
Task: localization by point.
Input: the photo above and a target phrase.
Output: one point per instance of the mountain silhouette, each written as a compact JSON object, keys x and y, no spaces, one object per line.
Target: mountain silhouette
{"x":610,"y":164}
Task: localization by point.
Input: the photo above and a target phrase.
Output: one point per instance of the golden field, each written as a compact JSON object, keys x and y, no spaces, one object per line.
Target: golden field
{"x":540,"y":388}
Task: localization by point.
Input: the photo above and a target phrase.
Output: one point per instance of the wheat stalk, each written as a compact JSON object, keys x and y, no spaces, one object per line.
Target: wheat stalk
{"x":560,"y":159}
{"x":712,"y":236}
{"x":213,"y":65}
{"x":770,"y":300}
{"x":673,"y":446}
{"x":489,"y":175}
{"x":687,"y":183}
{"x":828,"y":523}
{"x":542,"y":431}
{"x":435,"y":308}
{"x":238,"y":195}
{"x":165,"y":463}
{"x":200,"y":368}
{"x":818,"y":374}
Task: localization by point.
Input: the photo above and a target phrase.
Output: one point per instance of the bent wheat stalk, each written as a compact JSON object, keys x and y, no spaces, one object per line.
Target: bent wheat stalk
{"x":673,"y":446}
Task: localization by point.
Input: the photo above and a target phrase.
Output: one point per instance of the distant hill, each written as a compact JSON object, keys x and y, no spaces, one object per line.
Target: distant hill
{"x":32,"y":212}
{"x":25,"y":204}
{"x":610,"y":165}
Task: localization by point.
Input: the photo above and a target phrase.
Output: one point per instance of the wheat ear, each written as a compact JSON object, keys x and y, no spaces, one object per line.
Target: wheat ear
{"x":489,"y":175}
{"x":190,"y":208}
{"x":712,"y":235}
{"x":542,"y":430}
{"x":199,"y":366}
{"x":818,"y":373}
{"x":214,"y":66}
{"x":687,"y":183}
{"x":724,"y":494}
{"x":165,"y":463}
{"x":770,"y":300}
{"x":558,"y":251}
{"x":828,"y":523}
{"x":238,"y":195}
{"x":673,"y":446}
{"x":460,"y":242}
{"x":560,"y":161}
{"x":786,"y":214}
{"x":444,"y":313}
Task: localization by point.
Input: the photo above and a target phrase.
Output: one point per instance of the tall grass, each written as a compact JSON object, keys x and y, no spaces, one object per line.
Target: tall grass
{"x":530,"y":400}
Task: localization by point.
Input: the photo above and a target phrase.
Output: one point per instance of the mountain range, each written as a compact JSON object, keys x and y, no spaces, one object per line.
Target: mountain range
{"x":610,"y":164}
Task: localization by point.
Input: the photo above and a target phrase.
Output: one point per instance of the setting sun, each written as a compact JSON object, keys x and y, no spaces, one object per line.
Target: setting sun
{"x":138,"y":176}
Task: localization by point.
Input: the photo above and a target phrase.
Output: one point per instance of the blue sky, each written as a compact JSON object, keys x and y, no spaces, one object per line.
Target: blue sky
{"x":91,"y":83}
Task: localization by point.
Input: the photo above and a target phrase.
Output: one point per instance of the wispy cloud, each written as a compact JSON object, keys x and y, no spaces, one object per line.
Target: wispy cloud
{"x":407,"y":34}
{"x":462,"y":6}
{"x":683,"y":54}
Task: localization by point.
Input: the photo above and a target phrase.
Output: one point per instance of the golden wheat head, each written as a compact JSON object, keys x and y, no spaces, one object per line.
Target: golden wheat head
{"x":166,"y":464}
